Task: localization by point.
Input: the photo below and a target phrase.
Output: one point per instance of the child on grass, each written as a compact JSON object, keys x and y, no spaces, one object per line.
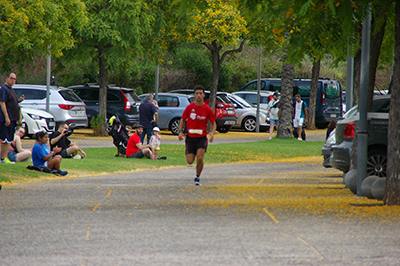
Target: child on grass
{"x":155,"y":142}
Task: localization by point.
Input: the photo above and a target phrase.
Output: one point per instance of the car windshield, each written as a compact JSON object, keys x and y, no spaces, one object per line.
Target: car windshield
{"x":351,"y":112}
{"x":222,"y":98}
{"x":69,"y":95}
{"x":241,"y":101}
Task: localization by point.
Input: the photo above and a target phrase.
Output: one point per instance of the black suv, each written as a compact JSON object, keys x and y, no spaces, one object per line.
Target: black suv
{"x":121,"y":102}
{"x":377,"y":139}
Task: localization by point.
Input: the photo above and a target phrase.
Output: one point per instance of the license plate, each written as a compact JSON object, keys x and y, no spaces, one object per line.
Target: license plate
{"x":77,"y":113}
{"x":229,"y":123}
{"x":51,"y":124}
{"x":333,"y":115}
{"x":229,"y":112}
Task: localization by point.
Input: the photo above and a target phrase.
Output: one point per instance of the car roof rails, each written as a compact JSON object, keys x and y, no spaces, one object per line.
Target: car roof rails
{"x":90,"y":84}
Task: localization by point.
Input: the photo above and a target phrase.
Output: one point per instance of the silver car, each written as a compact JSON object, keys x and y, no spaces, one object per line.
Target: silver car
{"x":246,"y":114}
{"x":251,"y":96}
{"x":64,"y":104}
{"x":171,"y":110}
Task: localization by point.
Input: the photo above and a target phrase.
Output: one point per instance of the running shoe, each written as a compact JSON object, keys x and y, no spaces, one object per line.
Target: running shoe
{"x":63,"y":172}
{"x":197,"y":181}
{"x":6,"y":160}
{"x":162,"y":158}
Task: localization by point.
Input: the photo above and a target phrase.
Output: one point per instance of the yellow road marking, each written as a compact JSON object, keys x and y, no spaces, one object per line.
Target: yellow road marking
{"x":266,"y":211}
{"x":270,"y":215}
{"x":95,"y":207}
{"x":108,"y":193}
{"x":260,"y":182}
{"x":315,"y":250}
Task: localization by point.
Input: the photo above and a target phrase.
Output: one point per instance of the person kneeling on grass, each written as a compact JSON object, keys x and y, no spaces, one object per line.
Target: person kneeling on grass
{"x":41,"y":155}
{"x":134,"y":148}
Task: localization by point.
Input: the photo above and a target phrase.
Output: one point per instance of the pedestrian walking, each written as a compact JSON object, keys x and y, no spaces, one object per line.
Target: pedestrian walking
{"x":273,"y":112}
{"x":148,"y":117}
{"x":299,"y":115}
{"x":9,"y":115}
{"x":196,"y":117}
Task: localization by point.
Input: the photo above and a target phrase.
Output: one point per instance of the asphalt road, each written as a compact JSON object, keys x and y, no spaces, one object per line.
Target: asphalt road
{"x":159,"y":217}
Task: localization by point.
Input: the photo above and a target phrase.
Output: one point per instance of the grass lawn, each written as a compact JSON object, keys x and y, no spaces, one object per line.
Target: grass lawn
{"x":103,"y":161}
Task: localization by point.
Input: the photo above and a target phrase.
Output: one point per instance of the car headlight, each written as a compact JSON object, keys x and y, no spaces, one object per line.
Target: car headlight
{"x":35,"y":117}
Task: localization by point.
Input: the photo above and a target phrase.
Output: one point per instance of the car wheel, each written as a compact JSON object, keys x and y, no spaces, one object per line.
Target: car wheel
{"x":377,"y":163}
{"x":224,"y":129}
{"x":174,"y":126}
{"x":249,"y":124}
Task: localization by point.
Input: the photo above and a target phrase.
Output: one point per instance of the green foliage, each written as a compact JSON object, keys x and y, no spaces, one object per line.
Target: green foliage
{"x":195,"y":60}
{"x":32,"y":26}
{"x":96,"y":122}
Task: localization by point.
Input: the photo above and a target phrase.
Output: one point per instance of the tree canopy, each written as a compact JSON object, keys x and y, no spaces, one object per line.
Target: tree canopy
{"x":27,"y":27}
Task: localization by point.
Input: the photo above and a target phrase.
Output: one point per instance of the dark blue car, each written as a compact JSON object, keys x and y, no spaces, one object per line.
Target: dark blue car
{"x":329,"y":96}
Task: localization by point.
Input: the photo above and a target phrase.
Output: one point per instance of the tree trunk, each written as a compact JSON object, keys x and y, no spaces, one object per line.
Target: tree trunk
{"x":216,"y":65}
{"x":313,"y":94}
{"x":285,"y":120}
{"x":103,"y":80}
{"x":392,"y":192}
{"x":375,"y":49}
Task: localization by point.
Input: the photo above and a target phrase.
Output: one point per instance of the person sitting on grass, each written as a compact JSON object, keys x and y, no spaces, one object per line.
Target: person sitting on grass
{"x":41,"y":155}
{"x":134,"y":148}
{"x":16,"y":153}
{"x":68,"y":149}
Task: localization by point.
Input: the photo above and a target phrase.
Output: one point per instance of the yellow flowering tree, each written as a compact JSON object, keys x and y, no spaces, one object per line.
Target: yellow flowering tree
{"x":215,"y":24}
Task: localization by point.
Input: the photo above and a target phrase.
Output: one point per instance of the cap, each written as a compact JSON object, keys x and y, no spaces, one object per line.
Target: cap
{"x":276,"y":94}
{"x":156,"y":129}
{"x":139,"y":125}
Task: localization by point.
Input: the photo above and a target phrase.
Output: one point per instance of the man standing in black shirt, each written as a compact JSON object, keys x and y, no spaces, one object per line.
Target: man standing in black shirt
{"x":9,"y":115}
{"x":69,"y":149}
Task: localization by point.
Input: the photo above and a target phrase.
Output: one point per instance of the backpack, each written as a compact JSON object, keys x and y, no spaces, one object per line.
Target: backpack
{"x":43,"y":169}
{"x":303,"y":134}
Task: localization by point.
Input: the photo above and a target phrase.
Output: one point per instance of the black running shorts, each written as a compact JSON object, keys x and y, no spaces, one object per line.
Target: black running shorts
{"x":193,"y":144}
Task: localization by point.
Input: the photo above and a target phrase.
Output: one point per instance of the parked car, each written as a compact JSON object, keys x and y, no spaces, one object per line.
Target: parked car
{"x":171,"y":107}
{"x":377,"y":139}
{"x":251,"y":96}
{"x":121,"y":102}
{"x":246,"y":114}
{"x":64,"y":104}
{"x":328,"y":102}
{"x":331,"y":140}
{"x":224,"y":110}
{"x":34,"y":120}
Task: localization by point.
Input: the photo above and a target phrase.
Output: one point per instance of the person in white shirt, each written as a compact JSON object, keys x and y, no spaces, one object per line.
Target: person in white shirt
{"x":299,"y":115}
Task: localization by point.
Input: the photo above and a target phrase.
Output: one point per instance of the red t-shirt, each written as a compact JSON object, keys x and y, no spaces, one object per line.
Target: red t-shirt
{"x":131,"y":148}
{"x":196,"y":119}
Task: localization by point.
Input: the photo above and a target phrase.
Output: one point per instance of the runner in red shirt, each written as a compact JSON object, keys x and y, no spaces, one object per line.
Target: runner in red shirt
{"x":196,"y":116}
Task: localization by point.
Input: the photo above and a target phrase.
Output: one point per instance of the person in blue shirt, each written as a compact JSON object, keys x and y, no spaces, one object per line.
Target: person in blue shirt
{"x":41,"y":155}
